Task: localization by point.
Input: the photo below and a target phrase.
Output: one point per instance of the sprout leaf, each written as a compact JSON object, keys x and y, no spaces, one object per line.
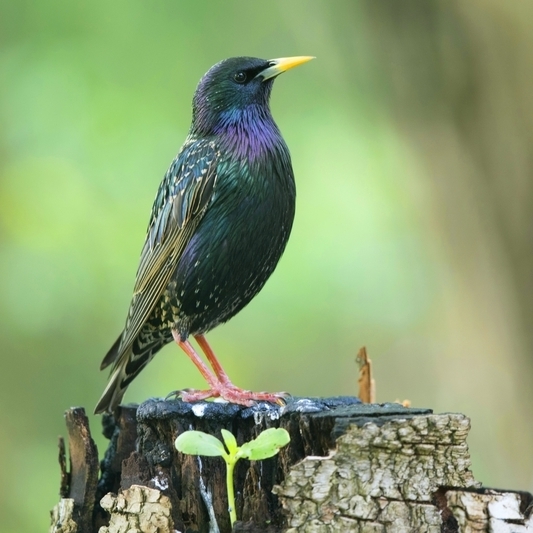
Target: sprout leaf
{"x":267,"y":444}
{"x":200,"y":443}
{"x":229,"y":441}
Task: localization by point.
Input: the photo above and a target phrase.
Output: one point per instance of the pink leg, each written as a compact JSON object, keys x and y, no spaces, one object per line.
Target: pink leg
{"x":220,"y":385}
{"x":187,"y":347}
{"x":228,"y":390}
{"x":213,"y":361}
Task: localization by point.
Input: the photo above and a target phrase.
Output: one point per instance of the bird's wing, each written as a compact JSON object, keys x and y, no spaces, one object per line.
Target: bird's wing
{"x":180,"y":203}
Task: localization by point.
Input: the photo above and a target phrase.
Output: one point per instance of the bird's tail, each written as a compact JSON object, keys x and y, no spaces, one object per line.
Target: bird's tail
{"x":127,"y":363}
{"x":116,"y":387}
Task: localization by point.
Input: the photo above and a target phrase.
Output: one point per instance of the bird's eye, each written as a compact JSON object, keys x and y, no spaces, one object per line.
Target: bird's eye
{"x":240,"y":77}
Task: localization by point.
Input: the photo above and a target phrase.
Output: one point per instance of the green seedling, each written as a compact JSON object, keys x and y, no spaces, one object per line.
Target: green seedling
{"x":267,"y":444}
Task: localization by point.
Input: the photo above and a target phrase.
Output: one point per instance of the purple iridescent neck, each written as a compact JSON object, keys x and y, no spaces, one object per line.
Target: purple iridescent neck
{"x":248,"y":132}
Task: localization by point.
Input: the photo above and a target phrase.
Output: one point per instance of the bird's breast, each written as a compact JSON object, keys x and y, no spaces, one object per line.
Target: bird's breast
{"x":238,"y":243}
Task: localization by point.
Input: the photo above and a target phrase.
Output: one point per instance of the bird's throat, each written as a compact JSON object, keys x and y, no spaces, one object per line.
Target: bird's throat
{"x":249,"y":133}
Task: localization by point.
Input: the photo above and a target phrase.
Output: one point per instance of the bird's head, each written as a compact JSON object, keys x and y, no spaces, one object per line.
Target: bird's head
{"x":235,"y":85}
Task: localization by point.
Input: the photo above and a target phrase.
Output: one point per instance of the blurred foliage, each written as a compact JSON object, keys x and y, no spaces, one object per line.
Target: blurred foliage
{"x":411,"y":139}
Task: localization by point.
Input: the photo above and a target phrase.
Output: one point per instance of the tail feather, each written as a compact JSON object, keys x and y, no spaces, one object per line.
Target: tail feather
{"x":127,"y":364}
{"x":116,"y":387}
{"x":112,"y":354}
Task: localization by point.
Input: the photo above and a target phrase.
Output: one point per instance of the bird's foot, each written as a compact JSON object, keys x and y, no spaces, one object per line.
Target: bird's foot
{"x":232,"y":394}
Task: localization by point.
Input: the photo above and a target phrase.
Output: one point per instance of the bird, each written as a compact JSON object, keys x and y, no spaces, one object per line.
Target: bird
{"x":218,"y":226}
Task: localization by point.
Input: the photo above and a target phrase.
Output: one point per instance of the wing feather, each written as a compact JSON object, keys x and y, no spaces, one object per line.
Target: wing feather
{"x":180,"y":203}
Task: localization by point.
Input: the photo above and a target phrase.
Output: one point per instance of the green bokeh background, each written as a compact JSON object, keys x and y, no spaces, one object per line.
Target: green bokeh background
{"x":411,"y":136}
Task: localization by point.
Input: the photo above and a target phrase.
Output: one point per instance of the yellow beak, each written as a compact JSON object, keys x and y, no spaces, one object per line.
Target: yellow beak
{"x":277,"y":66}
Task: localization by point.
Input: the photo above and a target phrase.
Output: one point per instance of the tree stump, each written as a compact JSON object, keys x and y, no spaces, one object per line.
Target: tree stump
{"x":348,"y":467}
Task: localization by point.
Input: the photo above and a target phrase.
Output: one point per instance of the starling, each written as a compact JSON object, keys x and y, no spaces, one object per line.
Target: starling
{"x":218,"y":227}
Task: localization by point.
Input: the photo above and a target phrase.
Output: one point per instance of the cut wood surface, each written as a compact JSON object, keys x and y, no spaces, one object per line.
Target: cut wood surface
{"x":349,"y":467}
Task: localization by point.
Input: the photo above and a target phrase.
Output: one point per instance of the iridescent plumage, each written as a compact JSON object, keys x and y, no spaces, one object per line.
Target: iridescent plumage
{"x":219,"y":225}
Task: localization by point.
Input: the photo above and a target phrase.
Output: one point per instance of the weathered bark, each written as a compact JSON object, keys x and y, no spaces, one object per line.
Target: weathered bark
{"x":349,"y":467}
{"x":380,"y":475}
{"x":78,"y":487}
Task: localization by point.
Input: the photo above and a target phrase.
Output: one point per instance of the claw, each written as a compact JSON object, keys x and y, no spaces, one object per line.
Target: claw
{"x":176,"y":394}
{"x":190,"y":395}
